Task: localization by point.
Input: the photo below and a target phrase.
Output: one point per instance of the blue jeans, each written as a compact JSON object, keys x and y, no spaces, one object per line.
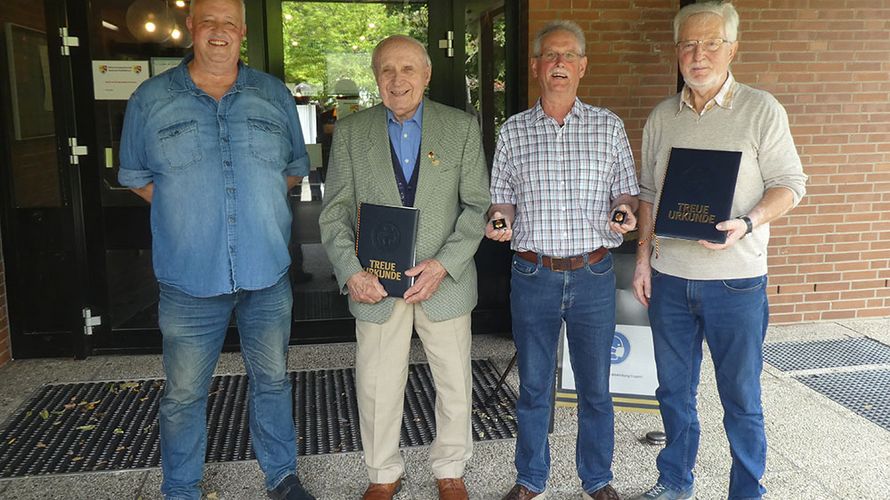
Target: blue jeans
{"x":732,"y":316}
{"x":540,"y":300}
{"x":193,"y":330}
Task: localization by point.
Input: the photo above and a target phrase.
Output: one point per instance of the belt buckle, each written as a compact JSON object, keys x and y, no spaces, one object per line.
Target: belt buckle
{"x":560,"y":264}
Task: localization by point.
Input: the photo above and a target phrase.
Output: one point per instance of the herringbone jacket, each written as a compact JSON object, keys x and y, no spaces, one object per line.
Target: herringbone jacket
{"x":452,"y":195}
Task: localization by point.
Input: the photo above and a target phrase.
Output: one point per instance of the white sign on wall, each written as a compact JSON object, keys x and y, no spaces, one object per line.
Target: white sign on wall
{"x":117,"y":80}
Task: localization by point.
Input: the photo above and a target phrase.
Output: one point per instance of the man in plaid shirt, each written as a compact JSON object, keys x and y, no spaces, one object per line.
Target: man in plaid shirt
{"x":562,"y":170}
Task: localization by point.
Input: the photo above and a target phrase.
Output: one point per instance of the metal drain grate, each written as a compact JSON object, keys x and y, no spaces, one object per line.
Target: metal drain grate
{"x":865,"y":392}
{"x":100,"y":426}
{"x":817,"y":354}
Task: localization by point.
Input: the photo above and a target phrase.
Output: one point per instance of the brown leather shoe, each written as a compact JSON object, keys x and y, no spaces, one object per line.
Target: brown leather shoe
{"x":452,"y":489}
{"x":607,"y":492}
{"x":382,"y":491}
{"x":520,"y":492}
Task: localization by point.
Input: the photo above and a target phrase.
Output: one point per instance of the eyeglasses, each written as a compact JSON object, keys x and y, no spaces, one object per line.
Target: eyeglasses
{"x":551,"y":56}
{"x":688,"y":46}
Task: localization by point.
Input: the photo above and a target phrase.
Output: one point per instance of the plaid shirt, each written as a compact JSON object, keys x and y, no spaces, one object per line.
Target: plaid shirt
{"x":562,"y":180}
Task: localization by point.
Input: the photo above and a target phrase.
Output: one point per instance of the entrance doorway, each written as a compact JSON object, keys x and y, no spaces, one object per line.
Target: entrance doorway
{"x":76,"y":242}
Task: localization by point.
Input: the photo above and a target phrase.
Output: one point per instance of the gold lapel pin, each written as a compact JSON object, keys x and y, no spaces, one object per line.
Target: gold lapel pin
{"x":432,"y":157}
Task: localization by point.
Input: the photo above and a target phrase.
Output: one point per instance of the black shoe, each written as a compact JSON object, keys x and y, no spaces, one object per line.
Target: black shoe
{"x":290,"y":489}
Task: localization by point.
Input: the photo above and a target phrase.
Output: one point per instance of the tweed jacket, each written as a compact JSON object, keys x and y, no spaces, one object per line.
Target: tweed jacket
{"x":452,"y":195}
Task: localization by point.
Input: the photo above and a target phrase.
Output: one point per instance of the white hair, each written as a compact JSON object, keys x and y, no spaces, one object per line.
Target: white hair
{"x":243,"y":9}
{"x":725,"y":10}
{"x":559,"y":25}
{"x":375,"y":55}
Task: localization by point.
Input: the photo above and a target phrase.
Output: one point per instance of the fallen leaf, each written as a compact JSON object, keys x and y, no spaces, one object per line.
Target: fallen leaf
{"x":212,"y":496}
{"x":76,"y":459}
{"x":11,"y":441}
{"x":118,"y":431}
{"x":69,"y":406}
{"x":44,"y":414}
{"x":41,"y":444}
{"x":85,"y":427}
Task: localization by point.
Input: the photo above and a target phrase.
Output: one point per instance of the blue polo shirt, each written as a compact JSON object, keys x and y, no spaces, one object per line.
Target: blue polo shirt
{"x":220,"y":218}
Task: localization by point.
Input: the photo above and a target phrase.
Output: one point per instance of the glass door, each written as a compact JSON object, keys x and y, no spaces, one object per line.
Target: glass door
{"x":326,"y":63}
{"x":45,"y":254}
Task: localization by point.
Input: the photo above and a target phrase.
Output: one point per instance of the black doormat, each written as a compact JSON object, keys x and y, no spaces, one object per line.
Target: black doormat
{"x":819,"y":354}
{"x":103,"y":426}
{"x":865,"y":392}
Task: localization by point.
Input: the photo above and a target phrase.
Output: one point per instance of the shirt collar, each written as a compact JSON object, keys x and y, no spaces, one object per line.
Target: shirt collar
{"x":417,"y":118}
{"x":538,"y":114}
{"x":723,"y":98}
{"x":181,"y":80}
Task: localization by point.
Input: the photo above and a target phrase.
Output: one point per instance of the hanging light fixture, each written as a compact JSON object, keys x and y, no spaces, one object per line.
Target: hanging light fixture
{"x":150,"y":21}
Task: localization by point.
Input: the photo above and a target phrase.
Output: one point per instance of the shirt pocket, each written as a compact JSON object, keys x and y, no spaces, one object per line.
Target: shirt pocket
{"x":179,"y":144}
{"x":268,"y":140}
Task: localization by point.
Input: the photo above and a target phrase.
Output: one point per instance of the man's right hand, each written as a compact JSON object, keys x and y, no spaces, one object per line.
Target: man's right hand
{"x":504,"y":234}
{"x":364,"y":287}
{"x":642,"y":282}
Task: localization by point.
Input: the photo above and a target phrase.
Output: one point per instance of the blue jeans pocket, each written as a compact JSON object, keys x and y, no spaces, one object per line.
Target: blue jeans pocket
{"x":524,"y":267}
{"x":604,"y":266}
{"x":744,"y":284}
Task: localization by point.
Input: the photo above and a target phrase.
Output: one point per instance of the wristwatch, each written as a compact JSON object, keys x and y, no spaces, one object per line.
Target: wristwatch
{"x":749,"y":226}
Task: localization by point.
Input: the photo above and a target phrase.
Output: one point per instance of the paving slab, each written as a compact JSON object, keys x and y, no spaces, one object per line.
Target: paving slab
{"x":817,"y":448}
{"x":93,"y":486}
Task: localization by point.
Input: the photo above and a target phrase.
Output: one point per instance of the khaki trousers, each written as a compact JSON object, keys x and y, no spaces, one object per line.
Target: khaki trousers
{"x":381,"y":368}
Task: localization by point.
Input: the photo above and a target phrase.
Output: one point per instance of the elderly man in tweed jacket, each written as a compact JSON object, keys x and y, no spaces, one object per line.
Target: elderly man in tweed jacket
{"x":414,"y":152}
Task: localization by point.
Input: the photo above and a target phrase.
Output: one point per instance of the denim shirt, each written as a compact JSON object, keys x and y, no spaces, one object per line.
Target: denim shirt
{"x":220,"y":218}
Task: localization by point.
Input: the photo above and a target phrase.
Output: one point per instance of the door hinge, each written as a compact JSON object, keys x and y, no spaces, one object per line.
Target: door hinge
{"x":67,"y":41}
{"x":90,"y":321}
{"x":76,"y":151}
{"x":448,"y":44}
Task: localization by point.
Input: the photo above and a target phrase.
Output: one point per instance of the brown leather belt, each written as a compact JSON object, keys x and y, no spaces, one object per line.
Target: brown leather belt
{"x":565,"y":263}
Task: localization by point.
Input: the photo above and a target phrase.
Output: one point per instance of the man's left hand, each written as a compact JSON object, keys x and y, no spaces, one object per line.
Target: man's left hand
{"x":735,"y":230}
{"x":428,"y":275}
{"x":630,"y":220}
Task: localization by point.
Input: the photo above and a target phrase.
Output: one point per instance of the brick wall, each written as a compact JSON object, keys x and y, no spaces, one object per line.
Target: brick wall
{"x":828,"y":62}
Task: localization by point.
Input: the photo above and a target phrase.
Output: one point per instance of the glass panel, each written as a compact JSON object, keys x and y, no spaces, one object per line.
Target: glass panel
{"x":327,"y":63}
{"x":39,"y":216}
{"x":490,"y":24}
{"x":35,"y":168}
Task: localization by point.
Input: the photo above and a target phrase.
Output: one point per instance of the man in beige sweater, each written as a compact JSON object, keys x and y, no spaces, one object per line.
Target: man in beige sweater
{"x":699,"y":291}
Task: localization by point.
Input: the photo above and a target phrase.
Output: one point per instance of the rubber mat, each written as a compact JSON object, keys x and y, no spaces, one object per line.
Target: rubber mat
{"x":865,"y":392}
{"x":102,"y":426}
{"x":818,"y":354}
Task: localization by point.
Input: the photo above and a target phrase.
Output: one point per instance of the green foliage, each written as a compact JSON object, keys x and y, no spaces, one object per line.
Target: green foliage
{"x":327,"y":41}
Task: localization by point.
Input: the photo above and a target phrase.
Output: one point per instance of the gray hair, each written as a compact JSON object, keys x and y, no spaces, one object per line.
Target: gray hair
{"x":375,"y":55}
{"x":726,"y":11}
{"x":559,"y":25}
{"x":243,"y":9}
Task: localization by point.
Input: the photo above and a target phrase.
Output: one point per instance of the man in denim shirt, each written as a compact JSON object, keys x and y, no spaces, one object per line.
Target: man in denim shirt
{"x":214,"y":145}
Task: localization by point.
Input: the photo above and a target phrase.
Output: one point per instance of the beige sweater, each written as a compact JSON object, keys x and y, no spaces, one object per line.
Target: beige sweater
{"x":757,"y":125}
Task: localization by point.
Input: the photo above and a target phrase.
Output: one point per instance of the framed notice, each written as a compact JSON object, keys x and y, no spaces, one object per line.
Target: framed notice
{"x":117,"y":80}
{"x":29,"y":82}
